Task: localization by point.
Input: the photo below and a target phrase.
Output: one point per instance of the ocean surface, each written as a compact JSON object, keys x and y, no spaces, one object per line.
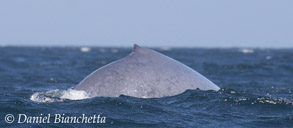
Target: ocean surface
{"x":256,"y":89}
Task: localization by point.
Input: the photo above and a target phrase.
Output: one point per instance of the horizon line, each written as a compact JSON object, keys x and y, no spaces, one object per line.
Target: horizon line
{"x":150,"y":46}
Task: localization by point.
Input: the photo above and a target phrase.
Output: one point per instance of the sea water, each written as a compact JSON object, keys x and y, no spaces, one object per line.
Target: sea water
{"x":37,"y":89}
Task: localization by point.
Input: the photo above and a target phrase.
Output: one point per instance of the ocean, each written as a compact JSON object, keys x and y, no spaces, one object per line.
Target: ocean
{"x":36,"y":89}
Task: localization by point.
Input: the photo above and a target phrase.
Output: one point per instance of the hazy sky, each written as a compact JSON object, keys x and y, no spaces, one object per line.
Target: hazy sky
{"x":205,"y":23}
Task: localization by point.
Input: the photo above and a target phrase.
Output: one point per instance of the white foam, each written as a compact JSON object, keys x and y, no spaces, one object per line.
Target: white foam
{"x":36,"y":97}
{"x":57,"y":95}
{"x":72,"y":94}
{"x":246,"y":50}
{"x":85,"y":49}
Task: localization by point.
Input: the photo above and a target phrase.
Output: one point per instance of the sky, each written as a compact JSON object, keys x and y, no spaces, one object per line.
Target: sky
{"x":174,"y":23}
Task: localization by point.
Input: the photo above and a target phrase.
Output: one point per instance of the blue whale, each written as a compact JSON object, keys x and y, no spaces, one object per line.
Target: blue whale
{"x":144,"y":73}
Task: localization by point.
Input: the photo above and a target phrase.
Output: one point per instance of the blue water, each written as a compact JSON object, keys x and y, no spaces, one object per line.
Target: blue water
{"x":256,"y":88}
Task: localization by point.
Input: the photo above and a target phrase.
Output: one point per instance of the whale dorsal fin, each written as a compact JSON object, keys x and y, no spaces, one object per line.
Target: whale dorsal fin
{"x":139,"y":49}
{"x":136,"y":48}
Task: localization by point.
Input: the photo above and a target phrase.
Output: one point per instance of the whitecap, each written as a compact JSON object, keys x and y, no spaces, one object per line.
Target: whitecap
{"x":85,"y":49}
{"x":246,"y":50}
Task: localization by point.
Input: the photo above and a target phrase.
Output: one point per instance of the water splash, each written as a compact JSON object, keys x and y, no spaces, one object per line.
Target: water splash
{"x":57,"y":95}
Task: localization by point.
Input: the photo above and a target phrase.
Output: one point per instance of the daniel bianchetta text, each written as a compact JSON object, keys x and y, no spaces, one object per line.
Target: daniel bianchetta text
{"x":61,"y":118}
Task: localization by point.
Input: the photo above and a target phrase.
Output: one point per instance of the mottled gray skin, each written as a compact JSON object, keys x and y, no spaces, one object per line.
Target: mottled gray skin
{"x":144,"y":74}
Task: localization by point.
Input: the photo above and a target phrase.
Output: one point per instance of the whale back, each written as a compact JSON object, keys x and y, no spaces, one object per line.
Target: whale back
{"x":144,"y":73}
